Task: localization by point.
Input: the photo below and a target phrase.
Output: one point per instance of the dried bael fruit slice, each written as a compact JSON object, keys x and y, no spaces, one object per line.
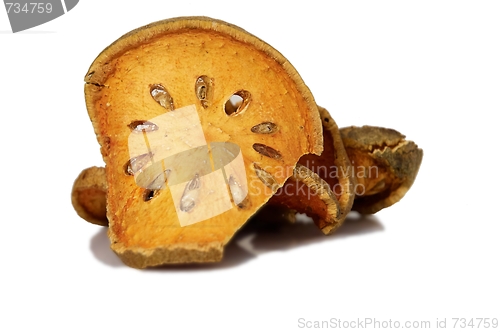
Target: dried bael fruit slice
{"x":331,"y":167}
{"x":389,"y":165}
{"x":199,"y":124}
{"x":88,"y":195}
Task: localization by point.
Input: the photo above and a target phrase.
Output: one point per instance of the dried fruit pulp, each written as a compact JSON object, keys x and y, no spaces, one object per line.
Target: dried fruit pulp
{"x":330,"y":171}
{"x":176,"y":54}
{"x":312,"y":195}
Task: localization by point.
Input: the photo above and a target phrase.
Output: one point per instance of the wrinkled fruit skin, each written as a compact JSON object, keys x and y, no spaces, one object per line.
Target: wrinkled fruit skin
{"x":88,"y":195}
{"x":395,"y":160}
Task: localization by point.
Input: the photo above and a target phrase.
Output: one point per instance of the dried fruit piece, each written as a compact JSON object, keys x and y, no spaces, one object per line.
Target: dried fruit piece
{"x":88,"y":195}
{"x":140,"y":77}
{"x":390,"y":165}
{"x":307,"y":193}
{"x":332,"y":166}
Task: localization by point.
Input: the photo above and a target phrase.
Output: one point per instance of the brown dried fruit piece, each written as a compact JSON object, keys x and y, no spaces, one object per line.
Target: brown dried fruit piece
{"x":175,"y":105}
{"x":307,"y":192}
{"x":332,"y":168}
{"x":88,"y":195}
{"x":389,"y":162}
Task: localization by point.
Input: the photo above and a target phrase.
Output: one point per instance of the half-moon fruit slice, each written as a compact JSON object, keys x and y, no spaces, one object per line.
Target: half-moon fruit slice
{"x":385,"y":164}
{"x":199,"y":124}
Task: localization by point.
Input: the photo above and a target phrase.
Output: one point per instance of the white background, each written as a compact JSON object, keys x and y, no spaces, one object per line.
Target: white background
{"x":430,"y":69}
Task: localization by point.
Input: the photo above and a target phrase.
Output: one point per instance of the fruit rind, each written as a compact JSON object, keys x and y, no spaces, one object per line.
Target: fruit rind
{"x":331,"y":220}
{"x":346,"y":179}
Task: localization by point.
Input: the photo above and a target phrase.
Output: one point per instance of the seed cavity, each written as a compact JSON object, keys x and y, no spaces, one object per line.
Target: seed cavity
{"x":136,"y":164}
{"x":266,"y":151}
{"x":236,"y":191}
{"x":149,"y":194}
{"x":266,"y":177}
{"x":265,"y":128}
{"x":142,"y":126}
{"x":237,"y":103}
{"x":245,"y":204}
{"x":160,"y":180}
{"x":203,"y":89}
{"x":161,"y":96}
{"x":190,"y":194}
